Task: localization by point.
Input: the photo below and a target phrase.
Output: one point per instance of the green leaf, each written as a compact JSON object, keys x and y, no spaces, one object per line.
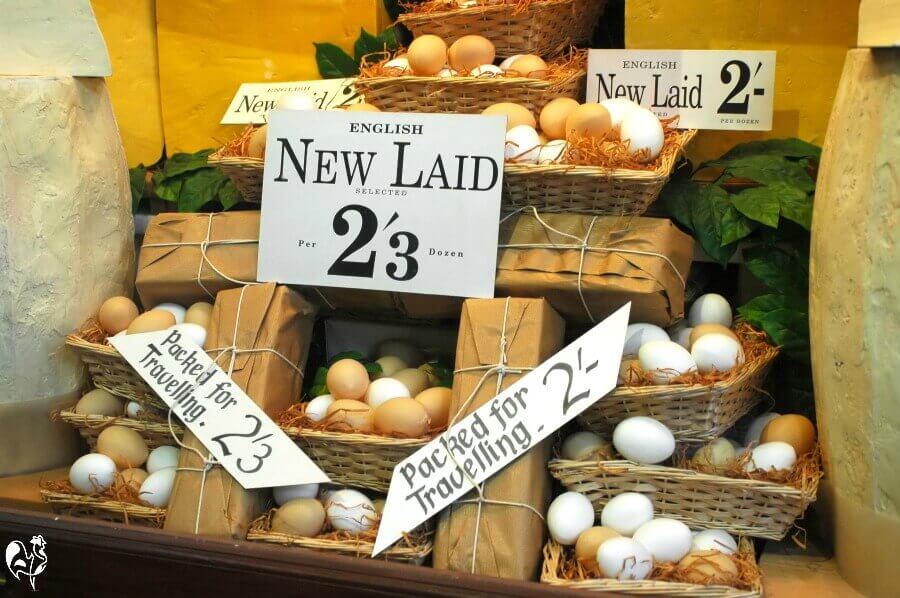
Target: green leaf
{"x":366,"y":44}
{"x":798,"y":208}
{"x":229,"y":196}
{"x":333,"y":62}
{"x":784,"y":319}
{"x":735,"y":226}
{"x":321,"y":376}
{"x":707,"y":211}
{"x":768,"y":170}
{"x":389,"y":38}
{"x":372,"y":367}
{"x":778,"y":269}
{"x":789,"y":148}
{"x":200,"y":188}
{"x":760,"y":204}
{"x":137,"y":177}
{"x":678,"y":196}
{"x":167,"y":189}
{"x":181,"y":163}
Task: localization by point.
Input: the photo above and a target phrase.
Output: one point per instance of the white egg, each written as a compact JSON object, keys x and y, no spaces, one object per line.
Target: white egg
{"x":133,"y":409}
{"x":296,"y":100}
{"x":717,"y":453}
{"x":665,"y":360}
{"x":569,"y":514}
{"x":710,"y":309}
{"x":772,"y":455}
{"x":351,"y":511}
{"x":714,"y":539}
{"x":667,"y":540}
{"x":582,"y":445}
{"x":193,"y":332}
{"x":643,"y":131}
{"x":383,"y":390}
{"x":681,"y":333}
{"x":157,"y":488}
{"x":504,"y":66}
{"x":317,"y":408}
{"x":174,"y":309}
{"x":618,"y":109}
{"x":162,"y":457}
{"x":92,"y":473}
{"x":447,"y":72}
{"x":716,"y":353}
{"x":636,"y":335}
{"x":624,"y":559}
{"x":756,"y":427}
{"x":486,"y":71}
{"x":282,"y":494}
{"x":552,"y":152}
{"x":735,"y":444}
{"x":643,"y":440}
{"x":398,"y":66}
{"x":405,"y":350}
{"x":523,"y":144}
{"x":627,"y":512}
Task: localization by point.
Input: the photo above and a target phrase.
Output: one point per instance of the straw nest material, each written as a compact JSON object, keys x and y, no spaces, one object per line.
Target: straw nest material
{"x":562,"y":569}
{"x":155,"y":432}
{"x":412,"y":548}
{"x":118,"y":503}
{"x":695,"y":407}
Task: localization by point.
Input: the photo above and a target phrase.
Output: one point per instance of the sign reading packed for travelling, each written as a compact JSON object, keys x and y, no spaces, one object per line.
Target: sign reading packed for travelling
{"x":504,"y":428}
{"x":252,"y":102}
{"x":706,"y":89}
{"x":242,"y":438}
{"x":382,"y":201}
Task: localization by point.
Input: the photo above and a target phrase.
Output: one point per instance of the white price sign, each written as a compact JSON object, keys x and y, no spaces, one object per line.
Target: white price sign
{"x":706,"y":89}
{"x":502,"y":429}
{"x":242,"y":438}
{"x":253,"y":101}
{"x":399,"y":202}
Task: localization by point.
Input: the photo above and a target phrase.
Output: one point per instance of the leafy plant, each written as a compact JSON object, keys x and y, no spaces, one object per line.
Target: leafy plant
{"x":188,"y":181}
{"x":335,"y":63}
{"x":758,"y":195}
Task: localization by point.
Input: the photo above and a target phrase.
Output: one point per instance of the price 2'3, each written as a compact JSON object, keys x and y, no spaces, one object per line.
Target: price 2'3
{"x":404,"y":242}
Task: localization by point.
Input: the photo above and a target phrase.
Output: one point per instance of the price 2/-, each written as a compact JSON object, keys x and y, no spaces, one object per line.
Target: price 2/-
{"x":742,"y":71}
{"x":405,"y":243}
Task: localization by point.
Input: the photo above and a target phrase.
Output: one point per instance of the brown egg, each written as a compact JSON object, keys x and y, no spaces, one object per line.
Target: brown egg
{"x":363,"y":107}
{"x":708,"y":567}
{"x":199,"y":313}
{"x":554,"y":115}
{"x":256,"y":146}
{"x":152,"y":321}
{"x":299,"y":517}
{"x":100,"y":402}
{"x":116,"y":314}
{"x":437,"y":403}
{"x":529,"y":65}
{"x":702,"y":329}
{"x":516,"y":114}
{"x":427,"y":55}
{"x":471,"y":51}
{"x":629,"y":372}
{"x":347,"y":379}
{"x":402,"y":417}
{"x":588,"y":120}
{"x":132,"y":477}
{"x":587,"y":544}
{"x":796,"y":430}
{"x":352,"y":414}
{"x":124,"y":446}
{"x":414,"y":380}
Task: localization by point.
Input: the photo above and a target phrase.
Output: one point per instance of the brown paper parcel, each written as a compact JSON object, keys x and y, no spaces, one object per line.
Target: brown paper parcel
{"x":172,"y":267}
{"x":646,"y":264}
{"x":271,"y":317}
{"x":509,"y":537}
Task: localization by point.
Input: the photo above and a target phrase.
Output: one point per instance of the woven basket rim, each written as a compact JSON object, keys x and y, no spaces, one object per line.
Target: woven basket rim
{"x":105,"y":504}
{"x":534,"y":6}
{"x":89,"y":421}
{"x":553,"y":552}
{"x":539,"y":84}
{"x":356,"y":438}
{"x":76,"y":341}
{"x":215,"y":160}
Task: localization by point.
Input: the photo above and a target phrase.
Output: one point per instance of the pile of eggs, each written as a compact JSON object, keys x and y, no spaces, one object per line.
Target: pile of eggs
{"x":629,"y":540}
{"x":124,"y":459}
{"x":400,"y":401}
{"x":705,"y":344}
{"x":120,"y":315}
{"x":563,"y":119}
{"x":306,"y":510}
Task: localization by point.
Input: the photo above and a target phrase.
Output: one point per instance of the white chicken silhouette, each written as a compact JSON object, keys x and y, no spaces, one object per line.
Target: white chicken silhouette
{"x":27,"y":563}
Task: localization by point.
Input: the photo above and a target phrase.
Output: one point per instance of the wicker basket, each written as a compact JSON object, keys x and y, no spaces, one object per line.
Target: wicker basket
{"x":545,"y":27}
{"x":89,"y":426}
{"x":109,"y":370}
{"x":359,"y":460}
{"x":740,"y":506}
{"x":78,"y":505}
{"x":245,"y":173}
{"x":413,"y":548}
{"x":552,"y":574}
{"x":694,"y":414}
{"x":590,"y":189}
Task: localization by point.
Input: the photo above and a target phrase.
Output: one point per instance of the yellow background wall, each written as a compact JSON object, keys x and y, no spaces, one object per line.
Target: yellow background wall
{"x":812,"y":39}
